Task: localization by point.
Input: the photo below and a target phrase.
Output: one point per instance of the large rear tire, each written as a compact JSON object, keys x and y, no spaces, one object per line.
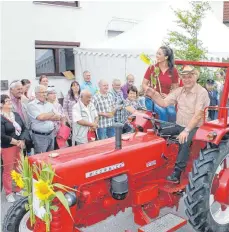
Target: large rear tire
{"x":17,"y":218}
{"x":204,"y":213}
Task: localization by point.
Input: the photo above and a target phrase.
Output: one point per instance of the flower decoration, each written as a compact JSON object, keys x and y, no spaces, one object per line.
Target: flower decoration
{"x":17,"y":179}
{"x":43,"y":190}
{"x":23,"y":179}
{"x":146,"y":59}
{"x":156,"y":71}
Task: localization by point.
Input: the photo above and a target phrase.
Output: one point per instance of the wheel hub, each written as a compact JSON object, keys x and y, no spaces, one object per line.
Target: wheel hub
{"x":222,"y":192}
{"x":219,"y":198}
{"x":24,"y":224}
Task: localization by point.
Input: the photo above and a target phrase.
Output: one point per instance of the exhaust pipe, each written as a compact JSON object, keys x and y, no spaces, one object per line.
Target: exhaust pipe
{"x":118,"y":135}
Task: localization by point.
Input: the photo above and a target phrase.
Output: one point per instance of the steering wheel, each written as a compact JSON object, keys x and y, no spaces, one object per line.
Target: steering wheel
{"x":157,"y":124}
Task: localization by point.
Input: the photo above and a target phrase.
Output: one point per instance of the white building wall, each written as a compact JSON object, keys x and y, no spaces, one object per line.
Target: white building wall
{"x":217,"y":8}
{"x":24,"y":22}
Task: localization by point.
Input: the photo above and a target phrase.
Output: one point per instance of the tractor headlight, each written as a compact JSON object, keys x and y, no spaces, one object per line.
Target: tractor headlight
{"x":211,"y":135}
{"x":71,"y":198}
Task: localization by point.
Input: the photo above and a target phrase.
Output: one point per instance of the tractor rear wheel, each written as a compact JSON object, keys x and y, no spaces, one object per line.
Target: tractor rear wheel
{"x":17,"y":218}
{"x":207,"y":194}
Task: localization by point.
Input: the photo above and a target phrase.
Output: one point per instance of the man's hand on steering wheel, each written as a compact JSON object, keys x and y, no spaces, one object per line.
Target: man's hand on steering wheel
{"x":183,"y":137}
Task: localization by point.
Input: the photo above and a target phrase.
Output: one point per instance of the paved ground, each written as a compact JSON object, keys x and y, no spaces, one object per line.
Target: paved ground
{"x":113,"y":224}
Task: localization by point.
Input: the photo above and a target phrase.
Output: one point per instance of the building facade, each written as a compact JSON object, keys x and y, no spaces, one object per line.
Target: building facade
{"x":39,"y":37}
{"x":226,"y":13}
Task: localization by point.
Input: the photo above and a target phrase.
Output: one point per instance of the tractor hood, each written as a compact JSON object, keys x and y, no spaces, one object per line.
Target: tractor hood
{"x":100,"y":160}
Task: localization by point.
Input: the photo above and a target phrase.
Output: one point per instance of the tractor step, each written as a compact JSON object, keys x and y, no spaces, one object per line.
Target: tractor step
{"x":166,"y":223}
{"x":173,"y":188}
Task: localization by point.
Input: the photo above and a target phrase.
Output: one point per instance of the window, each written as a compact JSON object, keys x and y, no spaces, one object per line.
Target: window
{"x":45,"y":61}
{"x":60,"y":3}
{"x":66,"y":57}
{"x":54,"y":58}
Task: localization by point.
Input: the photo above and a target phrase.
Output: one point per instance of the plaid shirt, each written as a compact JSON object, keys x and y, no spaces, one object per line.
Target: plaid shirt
{"x":136,"y":104}
{"x":118,"y":101}
{"x":68,"y":105}
{"x":104,"y":104}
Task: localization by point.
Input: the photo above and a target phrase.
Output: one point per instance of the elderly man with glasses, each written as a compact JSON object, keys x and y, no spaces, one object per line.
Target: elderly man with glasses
{"x":20,"y":106}
{"x":16,"y":92}
{"x":42,"y":116}
{"x":191,"y":100}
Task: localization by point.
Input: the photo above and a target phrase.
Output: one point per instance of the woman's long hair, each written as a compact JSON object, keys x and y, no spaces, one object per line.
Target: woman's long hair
{"x":70,"y":92}
{"x":169,"y":53}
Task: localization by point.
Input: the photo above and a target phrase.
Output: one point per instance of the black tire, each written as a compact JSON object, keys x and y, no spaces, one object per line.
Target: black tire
{"x":199,"y":188}
{"x":14,"y":215}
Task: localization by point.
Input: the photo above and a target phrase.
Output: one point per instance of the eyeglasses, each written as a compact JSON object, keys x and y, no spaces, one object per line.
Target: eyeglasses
{"x":44,"y":92}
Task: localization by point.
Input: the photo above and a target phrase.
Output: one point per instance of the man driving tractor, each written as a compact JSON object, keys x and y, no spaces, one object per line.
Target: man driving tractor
{"x":190,"y":100}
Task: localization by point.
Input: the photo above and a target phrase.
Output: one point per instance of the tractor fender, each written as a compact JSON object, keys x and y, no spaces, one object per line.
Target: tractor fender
{"x":205,"y":133}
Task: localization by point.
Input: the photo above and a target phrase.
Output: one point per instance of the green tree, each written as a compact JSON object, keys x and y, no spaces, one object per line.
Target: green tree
{"x":186,"y":44}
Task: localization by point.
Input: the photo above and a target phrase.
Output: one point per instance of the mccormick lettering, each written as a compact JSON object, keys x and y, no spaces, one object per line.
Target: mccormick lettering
{"x":105,"y":169}
{"x":151,"y":163}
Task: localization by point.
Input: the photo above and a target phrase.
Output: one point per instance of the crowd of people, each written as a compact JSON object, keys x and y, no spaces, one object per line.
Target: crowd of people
{"x":32,"y":120}
{"x":35,"y":121}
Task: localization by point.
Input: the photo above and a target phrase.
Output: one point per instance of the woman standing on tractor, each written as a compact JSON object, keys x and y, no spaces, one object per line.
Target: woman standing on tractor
{"x":168,"y":80}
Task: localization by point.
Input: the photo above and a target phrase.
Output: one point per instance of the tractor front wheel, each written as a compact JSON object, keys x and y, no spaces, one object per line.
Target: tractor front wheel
{"x":17,"y":218}
{"x":207,"y":194}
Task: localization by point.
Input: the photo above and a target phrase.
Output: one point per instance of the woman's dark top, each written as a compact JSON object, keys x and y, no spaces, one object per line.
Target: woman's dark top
{"x":8,"y":131}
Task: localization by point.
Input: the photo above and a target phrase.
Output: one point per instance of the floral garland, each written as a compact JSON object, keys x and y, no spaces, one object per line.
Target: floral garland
{"x":154,"y":77}
{"x":45,"y":190}
{"x":23,"y":180}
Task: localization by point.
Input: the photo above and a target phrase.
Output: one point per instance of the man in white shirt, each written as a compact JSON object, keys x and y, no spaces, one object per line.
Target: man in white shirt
{"x":42,"y":116}
{"x":84,"y":118}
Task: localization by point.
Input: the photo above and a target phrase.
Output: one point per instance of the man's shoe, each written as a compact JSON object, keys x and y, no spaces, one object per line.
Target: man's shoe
{"x":175,"y":177}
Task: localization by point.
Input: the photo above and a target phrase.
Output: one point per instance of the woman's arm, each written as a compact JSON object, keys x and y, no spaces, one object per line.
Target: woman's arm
{"x":5,"y":139}
{"x":24,"y":131}
{"x":145,"y":84}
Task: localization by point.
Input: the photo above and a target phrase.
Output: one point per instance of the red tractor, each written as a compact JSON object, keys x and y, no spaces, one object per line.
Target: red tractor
{"x":114,"y":174}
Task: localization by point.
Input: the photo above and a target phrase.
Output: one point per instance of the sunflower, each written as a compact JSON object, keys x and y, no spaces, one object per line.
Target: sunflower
{"x":17,"y":178}
{"x":43,"y":190}
{"x":145,"y":59}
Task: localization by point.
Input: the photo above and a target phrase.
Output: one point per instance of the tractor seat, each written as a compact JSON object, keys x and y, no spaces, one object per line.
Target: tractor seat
{"x":172,"y":138}
{"x":167,"y":136}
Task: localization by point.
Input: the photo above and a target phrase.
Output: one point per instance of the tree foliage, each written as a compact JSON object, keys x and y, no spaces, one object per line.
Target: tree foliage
{"x":185,"y":41}
{"x":186,"y":44}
